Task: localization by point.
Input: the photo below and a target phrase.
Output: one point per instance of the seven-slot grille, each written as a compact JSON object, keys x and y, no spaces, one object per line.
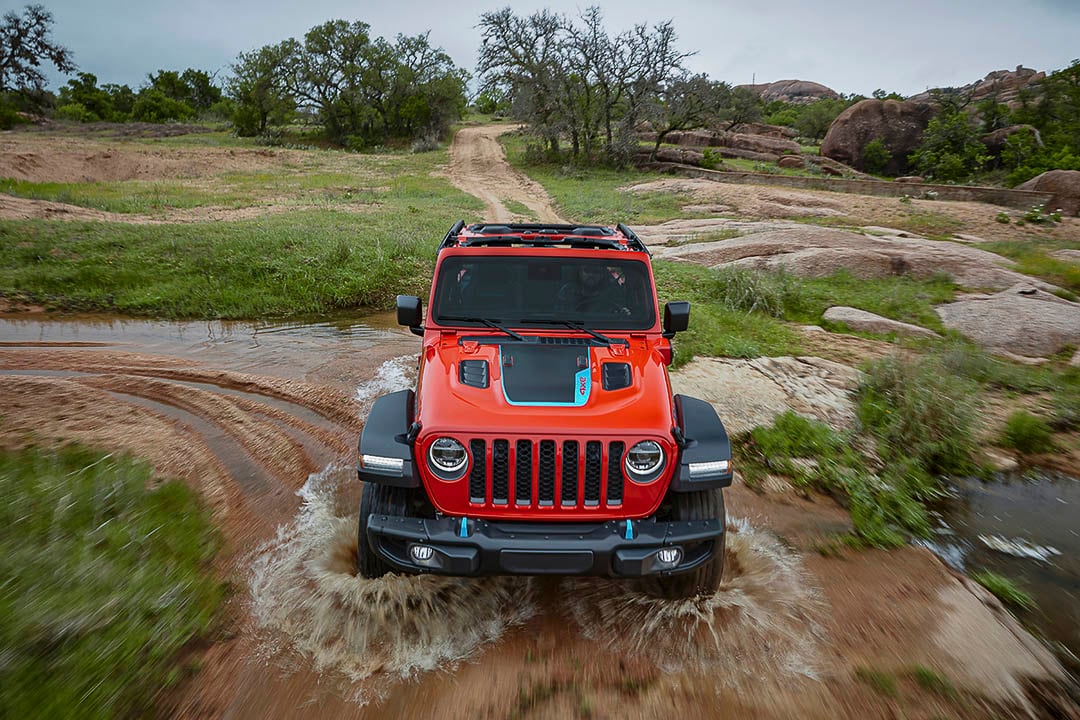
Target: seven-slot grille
{"x":525,"y":473}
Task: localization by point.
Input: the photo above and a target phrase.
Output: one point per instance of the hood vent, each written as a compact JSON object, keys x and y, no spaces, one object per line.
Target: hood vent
{"x":544,"y":340}
{"x":473,"y":373}
{"x":615,"y":376}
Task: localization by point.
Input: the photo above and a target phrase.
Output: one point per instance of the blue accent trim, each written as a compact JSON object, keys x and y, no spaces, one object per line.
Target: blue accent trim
{"x":582,"y":388}
{"x":629,"y":529}
{"x":464,"y":531}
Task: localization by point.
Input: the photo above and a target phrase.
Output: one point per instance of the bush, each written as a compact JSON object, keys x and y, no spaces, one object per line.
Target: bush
{"x":103,"y":583}
{"x":752,"y":290}
{"x":951,"y":149}
{"x":876,"y":156}
{"x":1027,"y":433}
{"x":920,"y":413}
{"x":154,"y":106}
{"x":75,"y":112}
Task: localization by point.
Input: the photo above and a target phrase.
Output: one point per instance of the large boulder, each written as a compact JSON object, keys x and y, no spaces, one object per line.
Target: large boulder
{"x":864,"y":321}
{"x":1003,"y":86}
{"x":899,"y":124}
{"x":1064,"y":184}
{"x":792,"y":91}
{"x":1023,"y":320}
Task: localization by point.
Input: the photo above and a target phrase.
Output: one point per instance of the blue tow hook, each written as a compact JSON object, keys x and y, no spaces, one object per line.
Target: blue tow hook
{"x":464,"y":531}
{"x":629,"y":529}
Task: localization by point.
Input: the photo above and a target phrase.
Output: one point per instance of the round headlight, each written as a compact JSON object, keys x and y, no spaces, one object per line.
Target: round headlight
{"x":447,"y":455}
{"x":645,"y":458}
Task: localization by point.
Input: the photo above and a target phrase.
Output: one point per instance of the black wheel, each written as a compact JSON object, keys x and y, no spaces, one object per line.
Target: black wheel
{"x":378,"y":499}
{"x":704,"y":579}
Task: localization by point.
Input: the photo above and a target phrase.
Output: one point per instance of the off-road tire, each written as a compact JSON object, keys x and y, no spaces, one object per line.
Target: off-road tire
{"x":378,"y":499}
{"x":704,"y":579}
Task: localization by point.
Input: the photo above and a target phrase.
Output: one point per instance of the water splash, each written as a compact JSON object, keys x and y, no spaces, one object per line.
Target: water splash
{"x":395,"y":374}
{"x":760,"y":620}
{"x":306,"y":596}
{"x":1018,"y":547}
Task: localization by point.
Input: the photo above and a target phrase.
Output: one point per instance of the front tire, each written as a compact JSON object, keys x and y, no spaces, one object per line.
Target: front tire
{"x":377,"y":499}
{"x":704,"y":579}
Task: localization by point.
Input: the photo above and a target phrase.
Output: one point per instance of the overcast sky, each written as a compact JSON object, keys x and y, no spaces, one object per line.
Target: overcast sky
{"x":853,"y":46}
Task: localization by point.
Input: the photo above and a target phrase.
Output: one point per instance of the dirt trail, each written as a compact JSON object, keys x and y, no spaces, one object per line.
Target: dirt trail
{"x":478,"y":166}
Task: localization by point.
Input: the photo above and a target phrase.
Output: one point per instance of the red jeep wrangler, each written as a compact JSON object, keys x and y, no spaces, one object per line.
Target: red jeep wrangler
{"x":542,"y":437}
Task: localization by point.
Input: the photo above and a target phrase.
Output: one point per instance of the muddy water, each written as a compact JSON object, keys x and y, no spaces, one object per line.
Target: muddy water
{"x":1025,"y":527}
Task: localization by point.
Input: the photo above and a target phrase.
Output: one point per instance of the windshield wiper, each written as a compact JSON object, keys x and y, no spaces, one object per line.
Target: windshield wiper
{"x":490,"y":323}
{"x":577,"y":325}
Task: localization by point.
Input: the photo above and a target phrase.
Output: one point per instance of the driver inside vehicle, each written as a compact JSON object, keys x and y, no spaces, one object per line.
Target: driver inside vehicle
{"x":596,"y":289}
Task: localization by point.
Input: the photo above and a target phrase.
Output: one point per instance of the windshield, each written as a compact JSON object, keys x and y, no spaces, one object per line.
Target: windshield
{"x":516,"y":290}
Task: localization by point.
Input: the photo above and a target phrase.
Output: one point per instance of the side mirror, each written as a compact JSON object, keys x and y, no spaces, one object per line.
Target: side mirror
{"x":410,"y":313}
{"x":676,"y":317}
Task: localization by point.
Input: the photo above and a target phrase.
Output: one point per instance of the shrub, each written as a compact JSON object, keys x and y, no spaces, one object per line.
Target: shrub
{"x":1027,"y":433}
{"x":75,"y":112}
{"x":1004,"y":589}
{"x":155,"y":106}
{"x":876,"y":156}
{"x":920,"y":413}
{"x":1002,"y":217}
{"x":754,"y":290}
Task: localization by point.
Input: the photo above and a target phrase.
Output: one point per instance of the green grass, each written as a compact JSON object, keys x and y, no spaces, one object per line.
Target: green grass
{"x":932,"y":681}
{"x":277,"y":265}
{"x":520,"y":208}
{"x":716,"y":329}
{"x":927,"y":223}
{"x":1004,"y":589}
{"x":882,"y":682}
{"x":103,"y":584}
{"x":1027,"y":433}
{"x":595,"y":195}
{"x":131,"y":196}
{"x":1032,"y":256}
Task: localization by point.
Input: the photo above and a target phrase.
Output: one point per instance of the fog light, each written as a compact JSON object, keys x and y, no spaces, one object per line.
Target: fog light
{"x":421,"y":553}
{"x":669,"y":556}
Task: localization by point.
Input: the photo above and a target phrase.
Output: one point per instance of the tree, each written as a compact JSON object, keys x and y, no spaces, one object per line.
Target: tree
{"x":685,"y":102}
{"x":743,"y":105}
{"x":951,"y":150}
{"x":26,"y":43}
{"x":193,"y":88}
{"x":258,"y":87}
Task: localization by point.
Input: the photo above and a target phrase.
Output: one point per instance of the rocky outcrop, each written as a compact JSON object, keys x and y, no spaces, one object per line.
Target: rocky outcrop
{"x":1023,"y":320}
{"x":899,"y":125}
{"x":737,"y":140}
{"x":1064,"y":184}
{"x":864,"y":321}
{"x":779,"y":131}
{"x":793,"y":162}
{"x":1003,"y":86}
{"x":810,"y":251}
{"x":749,"y":393}
{"x":800,"y":92}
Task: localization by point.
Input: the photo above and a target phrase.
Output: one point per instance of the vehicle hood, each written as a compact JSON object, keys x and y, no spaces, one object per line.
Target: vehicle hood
{"x":548,"y":384}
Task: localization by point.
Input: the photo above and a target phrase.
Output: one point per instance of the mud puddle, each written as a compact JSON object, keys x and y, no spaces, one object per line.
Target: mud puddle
{"x":1024,"y":527}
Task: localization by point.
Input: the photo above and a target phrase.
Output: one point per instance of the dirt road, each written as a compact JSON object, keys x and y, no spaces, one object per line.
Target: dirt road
{"x":478,"y":166}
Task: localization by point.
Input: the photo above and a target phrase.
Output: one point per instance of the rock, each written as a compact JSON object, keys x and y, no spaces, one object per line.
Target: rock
{"x":791,"y":161}
{"x":1064,"y":184}
{"x":869,"y":322}
{"x":686,"y":156}
{"x":810,"y":251}
{"x":832,"y":167}
{"x":792,"y":91}
{"x":1004,"y":86}
{"x":777,"y":131}
{"x":1067,"y":255}
{"x":737,"y":140}
{"x":1000,"y":460}
{"x":996,"y":141}
{"x":899,"y":125}
{"x":749,"y":393}
{"x":910,"y":179}
{"x":1075,"y":360}
{"x":1023,"y":320}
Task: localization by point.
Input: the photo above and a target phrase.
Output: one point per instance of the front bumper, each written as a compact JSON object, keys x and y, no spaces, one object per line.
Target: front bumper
{"x":468,"y":547}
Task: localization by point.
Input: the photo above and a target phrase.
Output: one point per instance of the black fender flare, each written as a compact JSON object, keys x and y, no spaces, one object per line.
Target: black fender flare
{"x":389,"y":433}
{"x":702,"y":438}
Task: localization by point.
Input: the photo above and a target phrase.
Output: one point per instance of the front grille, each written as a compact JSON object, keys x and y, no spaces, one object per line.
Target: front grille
{"x":525,"y":473}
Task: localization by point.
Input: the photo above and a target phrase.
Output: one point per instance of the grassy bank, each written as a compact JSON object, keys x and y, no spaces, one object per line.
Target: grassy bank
{"x":305,"y":261}
{"x":102,"y":584}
